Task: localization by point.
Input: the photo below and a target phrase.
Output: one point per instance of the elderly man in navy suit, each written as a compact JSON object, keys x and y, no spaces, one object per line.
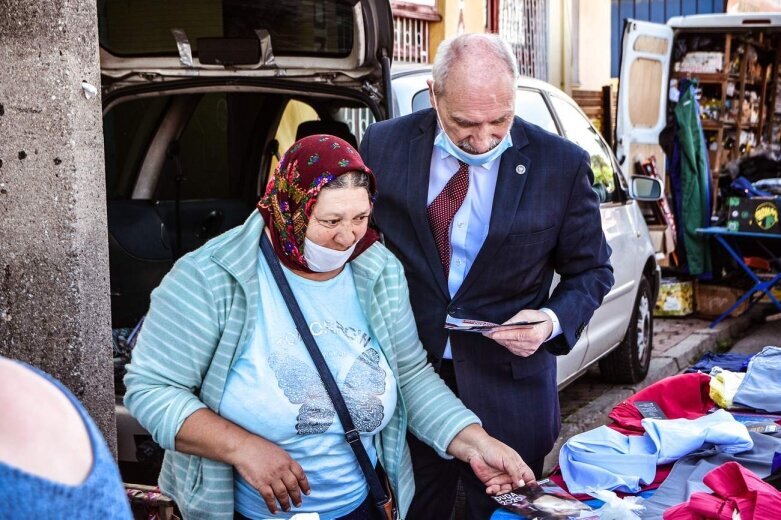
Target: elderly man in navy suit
{"x":482,"y":207}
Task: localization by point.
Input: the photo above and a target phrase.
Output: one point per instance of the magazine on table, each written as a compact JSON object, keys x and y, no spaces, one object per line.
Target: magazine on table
{"x":467,"y":325}
{"x":544,"y":500}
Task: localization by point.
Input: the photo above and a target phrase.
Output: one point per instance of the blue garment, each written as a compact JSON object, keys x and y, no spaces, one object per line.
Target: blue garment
{"x":761,"y":388}
{"x":274,"y":390}
{"x":101,"y":495}
{"x":731,"y":362}
{"x":444,"y":142}
{"x":605,"y":459}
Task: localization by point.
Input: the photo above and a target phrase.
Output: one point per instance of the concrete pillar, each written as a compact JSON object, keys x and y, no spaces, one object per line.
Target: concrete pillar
{"x":54,"y":287}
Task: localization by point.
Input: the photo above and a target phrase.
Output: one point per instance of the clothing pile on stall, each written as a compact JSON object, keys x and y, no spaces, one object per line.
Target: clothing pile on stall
{"x":696,"y":445}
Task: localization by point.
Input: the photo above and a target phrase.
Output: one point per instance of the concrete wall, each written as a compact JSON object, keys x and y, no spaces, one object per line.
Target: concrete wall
{"x":579,"y":44}
{"x":594,"y":44}
{"x":54,"y":288}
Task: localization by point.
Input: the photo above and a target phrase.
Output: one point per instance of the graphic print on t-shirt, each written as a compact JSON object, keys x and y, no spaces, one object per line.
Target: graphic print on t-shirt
{"x":301,"y":384}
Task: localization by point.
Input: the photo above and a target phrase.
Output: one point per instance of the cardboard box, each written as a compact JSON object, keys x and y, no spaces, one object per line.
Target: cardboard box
{"x":676,"y":298}
{"x":713,"y":300}
{"x":755,"y":214}
{"x":662,"y":240}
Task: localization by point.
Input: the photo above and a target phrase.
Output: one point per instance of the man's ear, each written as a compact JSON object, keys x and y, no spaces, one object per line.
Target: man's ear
{"x":431,"y":98}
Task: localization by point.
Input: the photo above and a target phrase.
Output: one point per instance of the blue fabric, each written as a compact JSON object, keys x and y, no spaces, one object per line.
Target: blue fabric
{"x":731,"y":362}
{"x":761,"y":388}
{"x":744,"y":185}
{"x":273,"y":390}
{"x":101,"y":495}
{"x":605,"y":459}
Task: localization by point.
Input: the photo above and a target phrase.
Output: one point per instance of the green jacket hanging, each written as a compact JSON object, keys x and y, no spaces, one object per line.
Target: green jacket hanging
{"x":694,"y":190}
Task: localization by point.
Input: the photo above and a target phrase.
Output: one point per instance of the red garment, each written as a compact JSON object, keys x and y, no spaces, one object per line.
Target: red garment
{"x":291,"y":193}
{"x":444,"y":207}
{"x":685,"y":396}
{"x":734,"y":487}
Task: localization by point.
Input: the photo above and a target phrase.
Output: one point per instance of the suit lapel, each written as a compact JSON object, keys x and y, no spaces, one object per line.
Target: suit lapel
{"x":418,"y":174}
{"x":507,"y":197}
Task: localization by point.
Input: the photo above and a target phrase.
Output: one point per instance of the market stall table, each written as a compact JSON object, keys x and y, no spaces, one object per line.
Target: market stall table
{"x":728,"y":240}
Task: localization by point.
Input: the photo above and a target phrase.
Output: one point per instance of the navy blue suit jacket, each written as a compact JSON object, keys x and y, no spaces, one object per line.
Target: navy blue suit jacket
{"x":543,"y":219}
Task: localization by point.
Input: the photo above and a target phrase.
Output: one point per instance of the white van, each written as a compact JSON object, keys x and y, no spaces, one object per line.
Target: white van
{"x":734,"y":58}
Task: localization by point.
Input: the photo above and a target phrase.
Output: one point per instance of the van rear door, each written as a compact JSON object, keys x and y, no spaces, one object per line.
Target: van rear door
{"x":642,"y":92}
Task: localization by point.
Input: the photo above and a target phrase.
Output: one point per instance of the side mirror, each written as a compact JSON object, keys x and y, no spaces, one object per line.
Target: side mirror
{"x":645,"y":188}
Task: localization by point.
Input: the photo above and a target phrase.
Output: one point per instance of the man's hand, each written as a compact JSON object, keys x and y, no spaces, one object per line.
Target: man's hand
{"x":497,"y":465}
{"x":524,"y":341}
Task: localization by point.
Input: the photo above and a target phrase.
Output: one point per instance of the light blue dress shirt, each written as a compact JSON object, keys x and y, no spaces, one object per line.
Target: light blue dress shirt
{"x":603,"y":458}
{"x":470,"y":223}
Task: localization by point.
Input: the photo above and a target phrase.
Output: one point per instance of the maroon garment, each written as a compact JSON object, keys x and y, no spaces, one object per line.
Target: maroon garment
{"x":442,"y":210}
{"x":734,"y":487}
{"x":685,"y":396}
{"x":291,"y":193}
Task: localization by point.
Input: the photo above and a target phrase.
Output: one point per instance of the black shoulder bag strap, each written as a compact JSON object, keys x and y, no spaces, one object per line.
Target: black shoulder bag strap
{"x":352,"y":435}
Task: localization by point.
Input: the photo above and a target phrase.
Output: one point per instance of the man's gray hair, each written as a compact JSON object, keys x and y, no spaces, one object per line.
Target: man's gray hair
{"x":452,"y":49}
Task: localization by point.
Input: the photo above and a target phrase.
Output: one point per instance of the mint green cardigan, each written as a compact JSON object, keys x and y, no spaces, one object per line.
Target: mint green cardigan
{"x":205,"y":309}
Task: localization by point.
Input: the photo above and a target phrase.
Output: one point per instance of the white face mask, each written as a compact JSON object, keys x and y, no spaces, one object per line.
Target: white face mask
{"x":322,"y":259}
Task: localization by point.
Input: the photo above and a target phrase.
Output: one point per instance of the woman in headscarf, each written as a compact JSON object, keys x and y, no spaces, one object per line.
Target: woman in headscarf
{"x":222,"y":380}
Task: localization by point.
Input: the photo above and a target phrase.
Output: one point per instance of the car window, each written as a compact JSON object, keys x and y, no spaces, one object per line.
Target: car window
{"x":578,"y":129}
{"x":421,"y":101}
{"x":203,"y":155}
{"x":129,"y":128}
{"x":530,"y":106}
{"x":296,"y":27}
{"x":296,"y":112}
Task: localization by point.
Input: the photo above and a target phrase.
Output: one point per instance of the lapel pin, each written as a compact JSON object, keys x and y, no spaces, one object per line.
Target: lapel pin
{"x":520,"y":169}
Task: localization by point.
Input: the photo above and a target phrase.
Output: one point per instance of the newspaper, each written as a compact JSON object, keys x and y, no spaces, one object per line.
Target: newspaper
{"x":466,"y":325}
{"x":544,"y":500}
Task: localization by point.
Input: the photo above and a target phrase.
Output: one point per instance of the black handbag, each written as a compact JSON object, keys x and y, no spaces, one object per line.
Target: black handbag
{"x":379,"y":488}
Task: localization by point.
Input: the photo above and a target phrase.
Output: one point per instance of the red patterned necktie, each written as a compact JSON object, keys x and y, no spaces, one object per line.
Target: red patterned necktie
{"x":442,"y":210}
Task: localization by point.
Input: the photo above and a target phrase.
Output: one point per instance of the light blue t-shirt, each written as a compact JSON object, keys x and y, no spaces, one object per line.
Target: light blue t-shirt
{"x":274,"y":390}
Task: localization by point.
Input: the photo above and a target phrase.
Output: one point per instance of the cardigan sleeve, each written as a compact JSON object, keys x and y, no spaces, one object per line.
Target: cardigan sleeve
{"x":435,"y":414}
{"x":174,"y":350}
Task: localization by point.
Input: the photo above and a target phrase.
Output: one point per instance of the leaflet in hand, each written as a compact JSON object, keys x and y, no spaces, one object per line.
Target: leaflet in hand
{"x":466,"y":325}
{"x":544,"y":500}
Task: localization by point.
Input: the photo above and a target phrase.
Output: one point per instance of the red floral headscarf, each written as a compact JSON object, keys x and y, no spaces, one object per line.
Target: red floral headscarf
{"x":291,"y":193}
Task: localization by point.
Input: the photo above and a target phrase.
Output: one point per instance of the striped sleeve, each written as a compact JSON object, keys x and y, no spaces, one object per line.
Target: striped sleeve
{"x":174,"y":350}
{"x":436,"y":415}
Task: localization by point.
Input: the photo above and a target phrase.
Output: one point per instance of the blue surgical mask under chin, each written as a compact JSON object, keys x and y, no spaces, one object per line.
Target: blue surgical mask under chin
{"x":444,"y":142}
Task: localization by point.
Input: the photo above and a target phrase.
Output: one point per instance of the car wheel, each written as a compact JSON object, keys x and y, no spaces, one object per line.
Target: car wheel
{"x":629,"y":362}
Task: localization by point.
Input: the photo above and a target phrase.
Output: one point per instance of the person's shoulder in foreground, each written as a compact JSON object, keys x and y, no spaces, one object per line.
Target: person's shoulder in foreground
{"x":53,"y":461}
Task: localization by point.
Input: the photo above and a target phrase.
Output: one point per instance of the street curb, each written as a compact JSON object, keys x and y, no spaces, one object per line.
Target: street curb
{"x":671,"y":362}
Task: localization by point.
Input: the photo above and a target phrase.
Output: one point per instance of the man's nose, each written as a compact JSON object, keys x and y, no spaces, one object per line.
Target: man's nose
{"x":482,"y":139}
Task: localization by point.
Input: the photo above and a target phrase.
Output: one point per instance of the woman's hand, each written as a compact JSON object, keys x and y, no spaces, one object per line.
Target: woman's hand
{"x":497,"y":465}
{"x":269,"y":469}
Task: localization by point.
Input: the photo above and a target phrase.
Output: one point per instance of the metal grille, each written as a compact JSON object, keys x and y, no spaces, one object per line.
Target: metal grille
{"x":410,"y":38}
{"x":357,"y":119}
{"x":523,"y":23}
